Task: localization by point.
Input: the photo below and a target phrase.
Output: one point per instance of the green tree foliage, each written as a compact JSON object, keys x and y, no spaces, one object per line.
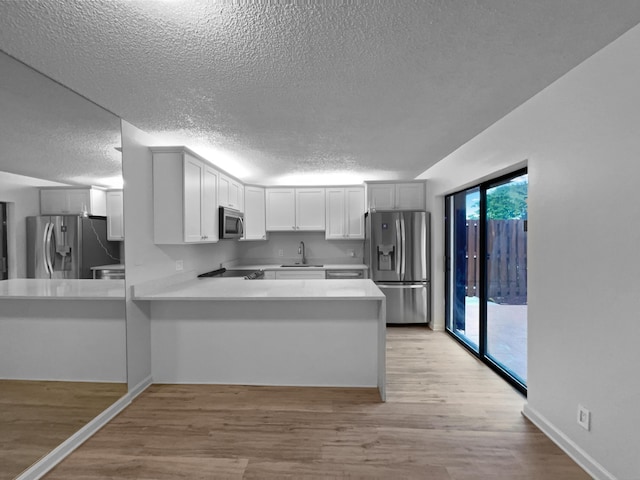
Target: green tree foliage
{"x":507,"y":202}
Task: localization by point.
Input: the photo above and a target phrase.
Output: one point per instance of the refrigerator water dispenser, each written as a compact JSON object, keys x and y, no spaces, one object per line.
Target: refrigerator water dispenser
{"x":386,"y":257}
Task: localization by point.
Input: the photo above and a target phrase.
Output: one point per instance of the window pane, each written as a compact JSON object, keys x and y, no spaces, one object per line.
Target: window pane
{"x":506,"y":327}
{"x":464,"y":238}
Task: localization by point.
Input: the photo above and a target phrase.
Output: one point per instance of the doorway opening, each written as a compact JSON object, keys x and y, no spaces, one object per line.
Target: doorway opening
{"x":486,"y":273}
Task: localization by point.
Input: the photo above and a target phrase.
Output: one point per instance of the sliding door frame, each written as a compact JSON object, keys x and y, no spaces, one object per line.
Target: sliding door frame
{"x":481,"y":354}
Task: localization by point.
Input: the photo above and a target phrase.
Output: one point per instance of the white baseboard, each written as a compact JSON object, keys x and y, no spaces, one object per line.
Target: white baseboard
{"x":140,"y":387}
{"x":581,"y":457}
{"x":46,"y":463}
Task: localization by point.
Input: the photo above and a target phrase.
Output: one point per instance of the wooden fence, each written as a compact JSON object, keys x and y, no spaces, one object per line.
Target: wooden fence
{"x":506,"y":261}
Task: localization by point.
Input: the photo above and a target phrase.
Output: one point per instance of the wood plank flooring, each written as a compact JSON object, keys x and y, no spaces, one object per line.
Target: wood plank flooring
{"x":447,"y":417}
{"x":36,"y":416}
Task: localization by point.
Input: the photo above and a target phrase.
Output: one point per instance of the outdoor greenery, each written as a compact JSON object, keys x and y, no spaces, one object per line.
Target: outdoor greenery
{"x":507,"y":202}
{"x":504,"y":202}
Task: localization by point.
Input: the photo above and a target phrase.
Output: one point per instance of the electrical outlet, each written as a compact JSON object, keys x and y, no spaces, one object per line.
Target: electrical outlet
{"x":352,"y":253}
{"x":584,"y":417}
{"x":281,"y":253}
{"x":179,"y":265}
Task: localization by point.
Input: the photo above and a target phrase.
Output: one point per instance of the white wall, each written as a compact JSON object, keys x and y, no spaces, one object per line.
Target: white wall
{"x":144,"y":260}
{"x":317,"y":249}
{"x":581,"y":140}
{"x":21,"y":195}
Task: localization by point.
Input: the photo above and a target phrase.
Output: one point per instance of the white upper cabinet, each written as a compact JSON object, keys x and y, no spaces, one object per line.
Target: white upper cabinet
{"x":310,"y":214}
{"x":115,"y":217}
{"x":185,"y":208}
{"x":354,"y":211}
{"x":280,"y":209}
{"x":254,"y":214}
{"x":300,"y":209}
{"x":231,"y":193}
{"x":410,"y":196}
{"x":345,"y":209}
{"x":396,"y":196}
{"x":73,"y":201}
{"x":381,"y":196}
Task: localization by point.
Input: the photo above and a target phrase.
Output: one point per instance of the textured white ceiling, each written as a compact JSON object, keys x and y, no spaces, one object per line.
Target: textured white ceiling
{"x":288,"y":92}
{"x":49,"y":132}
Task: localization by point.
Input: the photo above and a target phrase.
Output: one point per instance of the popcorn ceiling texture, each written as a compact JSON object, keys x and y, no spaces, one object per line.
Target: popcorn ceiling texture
{"x":49,"y":132}
{"x":377,"y":89}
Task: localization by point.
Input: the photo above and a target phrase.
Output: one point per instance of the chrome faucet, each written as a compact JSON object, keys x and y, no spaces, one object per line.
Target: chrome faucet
{"x":301,"y":253}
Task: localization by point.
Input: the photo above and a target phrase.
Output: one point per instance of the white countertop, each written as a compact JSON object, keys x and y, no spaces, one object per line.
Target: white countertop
{"x":218,"y":289}
{"x":32,"y":288}
{"x":278,"y":266}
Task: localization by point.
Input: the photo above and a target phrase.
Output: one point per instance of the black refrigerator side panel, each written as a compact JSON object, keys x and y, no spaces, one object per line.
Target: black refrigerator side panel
{"x":95,"y":249}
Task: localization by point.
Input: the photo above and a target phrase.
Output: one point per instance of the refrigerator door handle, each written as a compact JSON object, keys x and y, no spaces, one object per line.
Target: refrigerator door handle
{"x":398,"y":251}
{"x":403,"y":258}
{"x":46,"y":246}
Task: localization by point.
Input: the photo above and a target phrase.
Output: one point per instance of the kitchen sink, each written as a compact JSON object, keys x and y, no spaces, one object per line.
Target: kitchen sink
{"x":301,"y":265}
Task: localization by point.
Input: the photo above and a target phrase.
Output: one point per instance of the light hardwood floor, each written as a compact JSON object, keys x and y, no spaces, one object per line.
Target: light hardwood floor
{"x":36,"y":416}
{"x":447,"y":417}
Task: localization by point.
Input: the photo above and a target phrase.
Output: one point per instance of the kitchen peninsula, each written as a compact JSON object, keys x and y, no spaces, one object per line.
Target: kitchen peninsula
{"x":266,"y":332}
{"x":72,"y":330}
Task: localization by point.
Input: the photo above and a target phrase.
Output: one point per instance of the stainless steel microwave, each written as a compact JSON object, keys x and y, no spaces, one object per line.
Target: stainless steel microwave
{"x":231,"y":223}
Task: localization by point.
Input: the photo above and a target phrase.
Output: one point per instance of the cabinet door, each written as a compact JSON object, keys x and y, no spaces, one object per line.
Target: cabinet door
{"x":223,"y":190}
{"x":410,"y":196}
{"x":115,"y":223}
{"x":79,"y":201}
{"x":300,"y":275}
{"x":354,"y":212}
{"x":236,"y":195}
{"x":254,"y":214}
{"x":54,"y":202}
{"x":193,"y":194}
{"x":310,"y":205}
{"x":281,"y":209}
{"x":335,"y":214}
{"x":381,"y":196}
{"x":231,"y":193}
{"x":209,"y":205}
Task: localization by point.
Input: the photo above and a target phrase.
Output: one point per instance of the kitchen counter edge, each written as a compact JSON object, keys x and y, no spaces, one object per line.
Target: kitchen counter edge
{"x":238,"y":289}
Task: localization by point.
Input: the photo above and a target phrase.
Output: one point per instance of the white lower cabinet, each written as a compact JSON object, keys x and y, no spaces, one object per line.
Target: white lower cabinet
{"x":254,"y":214}
{"x":300,"y":274}
{"x":345,"y":209}
{"x":185,"y":198}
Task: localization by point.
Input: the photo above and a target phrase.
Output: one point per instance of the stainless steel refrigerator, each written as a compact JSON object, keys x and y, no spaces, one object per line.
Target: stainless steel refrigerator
{"x":397,"y":246}
{"x":67,"y":246}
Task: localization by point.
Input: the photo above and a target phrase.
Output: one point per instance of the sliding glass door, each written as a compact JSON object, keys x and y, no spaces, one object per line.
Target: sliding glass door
{"x":486,"y":279}
{"x":463,"y":236}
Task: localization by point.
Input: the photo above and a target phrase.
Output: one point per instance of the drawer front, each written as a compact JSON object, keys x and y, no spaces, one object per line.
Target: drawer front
{"x":345,"y":274}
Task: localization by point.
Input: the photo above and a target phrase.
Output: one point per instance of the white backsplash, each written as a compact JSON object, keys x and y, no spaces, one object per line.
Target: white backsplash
{"x":317,"y":249}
